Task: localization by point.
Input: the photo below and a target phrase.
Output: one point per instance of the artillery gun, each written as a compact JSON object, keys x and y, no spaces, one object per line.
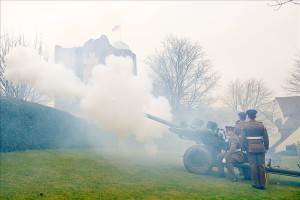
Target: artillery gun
{"x":210,"y":140}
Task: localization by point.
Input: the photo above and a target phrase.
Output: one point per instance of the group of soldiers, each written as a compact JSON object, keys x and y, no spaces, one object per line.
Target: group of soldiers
{"x":248,"y":141}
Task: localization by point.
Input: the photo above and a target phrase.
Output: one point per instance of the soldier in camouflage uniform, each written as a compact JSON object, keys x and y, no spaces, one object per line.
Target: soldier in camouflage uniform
{"x":255,"y":141}
{"x":233,"y":155}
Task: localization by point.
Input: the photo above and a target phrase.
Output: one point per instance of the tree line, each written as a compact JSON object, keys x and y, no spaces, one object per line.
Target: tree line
{"x":180,"y":71}
{"x":186,"y":77}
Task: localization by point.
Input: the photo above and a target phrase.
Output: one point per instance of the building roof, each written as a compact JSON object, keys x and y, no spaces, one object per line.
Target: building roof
{"x":289,"y":105}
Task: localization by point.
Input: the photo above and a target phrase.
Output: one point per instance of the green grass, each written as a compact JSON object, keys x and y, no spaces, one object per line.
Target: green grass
{"x":113,"y":174}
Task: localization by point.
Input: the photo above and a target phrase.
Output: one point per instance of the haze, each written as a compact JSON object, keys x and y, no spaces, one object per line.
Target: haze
{"x":243,"y":39}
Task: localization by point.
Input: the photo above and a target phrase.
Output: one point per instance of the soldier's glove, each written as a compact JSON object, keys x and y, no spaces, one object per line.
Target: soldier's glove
{"x":244,"y":152}
{"x":224,"y":160}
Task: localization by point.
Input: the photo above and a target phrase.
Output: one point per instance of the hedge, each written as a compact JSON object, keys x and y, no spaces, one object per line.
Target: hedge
{"x":26,"y":125}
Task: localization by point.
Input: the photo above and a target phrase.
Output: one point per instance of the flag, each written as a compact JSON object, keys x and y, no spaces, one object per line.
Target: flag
{"x":116,"y":28}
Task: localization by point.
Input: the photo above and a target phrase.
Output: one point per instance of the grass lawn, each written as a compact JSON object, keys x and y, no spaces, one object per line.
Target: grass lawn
{"x":120,"y":174}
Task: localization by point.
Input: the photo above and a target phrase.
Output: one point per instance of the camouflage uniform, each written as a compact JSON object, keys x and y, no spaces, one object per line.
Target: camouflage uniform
{"x":255,"y":141}
{"x":233,"y":155}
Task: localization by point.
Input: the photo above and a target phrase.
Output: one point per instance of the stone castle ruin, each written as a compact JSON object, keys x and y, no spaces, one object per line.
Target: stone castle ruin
{"x":82,"y":60}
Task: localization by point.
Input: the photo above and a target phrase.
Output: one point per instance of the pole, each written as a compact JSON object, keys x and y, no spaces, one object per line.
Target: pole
{"x":120,"y":33}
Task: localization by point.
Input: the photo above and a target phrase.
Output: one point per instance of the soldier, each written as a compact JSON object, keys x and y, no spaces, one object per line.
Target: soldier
{"x":233,"y":155}
{"x":255,"y":141}
{"x":240,"y":123}
{"x":237,"y":130}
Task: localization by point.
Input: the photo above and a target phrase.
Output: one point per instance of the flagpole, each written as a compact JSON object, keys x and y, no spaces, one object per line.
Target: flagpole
{"x":117,"y":28}
{"x":120,"y":33}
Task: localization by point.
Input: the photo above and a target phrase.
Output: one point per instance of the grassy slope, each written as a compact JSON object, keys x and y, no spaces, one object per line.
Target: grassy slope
{"x":107,"y":174}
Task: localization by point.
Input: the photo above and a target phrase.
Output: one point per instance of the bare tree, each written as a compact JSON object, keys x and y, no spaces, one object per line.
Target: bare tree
{"x":183,"y":74}
{"x":279,"y":3}
{"x":252,"y":93}
{"x":292,"y":82}
{"x":20,"y":91}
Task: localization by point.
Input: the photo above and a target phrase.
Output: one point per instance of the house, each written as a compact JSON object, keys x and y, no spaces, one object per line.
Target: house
{"x":286,"y":117}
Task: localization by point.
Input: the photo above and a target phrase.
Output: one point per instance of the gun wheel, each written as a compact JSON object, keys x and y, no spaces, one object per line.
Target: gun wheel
{"x":197,"y":160}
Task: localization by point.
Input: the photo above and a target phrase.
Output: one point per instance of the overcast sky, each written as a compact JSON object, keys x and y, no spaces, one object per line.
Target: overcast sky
{"x":245,"y":39}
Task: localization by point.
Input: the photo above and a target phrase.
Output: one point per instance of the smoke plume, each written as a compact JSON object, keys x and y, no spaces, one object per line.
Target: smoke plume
{"x":25,"y":66}
{"x":113,"y":97}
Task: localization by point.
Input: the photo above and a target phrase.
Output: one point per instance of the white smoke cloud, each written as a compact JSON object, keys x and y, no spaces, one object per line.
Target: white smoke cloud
{"x":113,"y":97}
{"x":151,"y":149}
{"x":25,"y":66}
{"x":118,"y":100}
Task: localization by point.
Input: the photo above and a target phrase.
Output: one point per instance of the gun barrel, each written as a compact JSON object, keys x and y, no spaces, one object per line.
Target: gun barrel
{"x":162,"y":121}
{"x":275,"y":170}
{"x":282,"y":171}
